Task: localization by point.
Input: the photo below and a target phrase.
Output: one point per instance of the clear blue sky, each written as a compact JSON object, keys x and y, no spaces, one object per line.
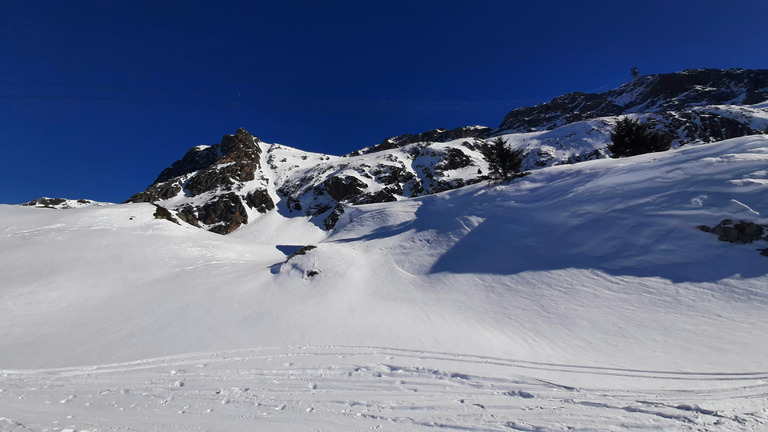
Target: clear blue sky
{"x":97,"y":97}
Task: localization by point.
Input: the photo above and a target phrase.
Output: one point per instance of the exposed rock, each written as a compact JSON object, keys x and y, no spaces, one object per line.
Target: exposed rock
{"x":332,"y":219}
{"x":46,"y":202}
{"x":453,"y":159}
{"x":60,"y":203}
{"x":226,"y":213}
{"x":198,"y":158}
{"x":164,"y":213}
{"x":260,"y":200}
{"x":559,"y":111}
{"x":158,"y":192}
{"x":301,"y":251}
{"x":187,"y":214}
{"x":222,"y":169}
{"x":238,"y":164}
{"x":383,"y":195}
{"x":341,"y":188}
{"x":695,"y":125}
{"x":650,"y":93}
{"x":434,"y":135}
{"x":212,"y":186}
{"x":741,"y":232}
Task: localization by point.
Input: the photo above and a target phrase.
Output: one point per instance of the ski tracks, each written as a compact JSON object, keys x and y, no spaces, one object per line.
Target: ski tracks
{"x":372,"y":388}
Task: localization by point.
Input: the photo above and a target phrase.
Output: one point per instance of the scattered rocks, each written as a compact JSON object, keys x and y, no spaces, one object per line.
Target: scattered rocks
{"x":46,"y":202}
{"x":741,"y":232}
{"x":60,"y":203}
{"x":227,"y":179}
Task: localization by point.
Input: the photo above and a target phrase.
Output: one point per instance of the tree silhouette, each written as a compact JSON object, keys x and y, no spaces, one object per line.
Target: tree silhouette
{"x":631,"y":138}
{"x":503,"y":162}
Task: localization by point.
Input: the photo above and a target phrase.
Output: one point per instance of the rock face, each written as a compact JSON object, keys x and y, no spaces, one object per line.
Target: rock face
{"x":220,"y":173}
{"x":651,"y":93}
{"x":434,"y":135}
{"x":225,"y":186}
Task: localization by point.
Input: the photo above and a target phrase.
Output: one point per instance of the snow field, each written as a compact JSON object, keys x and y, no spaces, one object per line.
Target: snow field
{"x":369,"y":388}
{"x":579,"y":296}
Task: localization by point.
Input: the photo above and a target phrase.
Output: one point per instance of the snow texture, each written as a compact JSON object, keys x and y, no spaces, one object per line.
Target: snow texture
{"x":580,"y":297}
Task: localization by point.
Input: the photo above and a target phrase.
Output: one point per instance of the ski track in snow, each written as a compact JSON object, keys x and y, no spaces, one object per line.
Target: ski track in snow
{"x":372,"y":388}
{"x":587,"y":297}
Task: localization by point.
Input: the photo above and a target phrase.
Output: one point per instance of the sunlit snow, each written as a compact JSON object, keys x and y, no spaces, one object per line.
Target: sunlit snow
{"x":580,"y":297}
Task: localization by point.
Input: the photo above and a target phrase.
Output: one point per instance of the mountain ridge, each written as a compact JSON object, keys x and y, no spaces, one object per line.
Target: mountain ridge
{"x":225,"y":186}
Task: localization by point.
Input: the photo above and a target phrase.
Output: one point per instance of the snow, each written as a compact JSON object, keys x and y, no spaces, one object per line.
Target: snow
{"x":580,"y":297}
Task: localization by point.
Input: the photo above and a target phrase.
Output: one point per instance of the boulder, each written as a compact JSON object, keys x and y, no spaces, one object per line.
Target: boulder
{"x":742,"y":232}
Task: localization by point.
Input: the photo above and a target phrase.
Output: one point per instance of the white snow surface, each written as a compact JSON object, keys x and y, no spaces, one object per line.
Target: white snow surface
{"x":580,"y":297}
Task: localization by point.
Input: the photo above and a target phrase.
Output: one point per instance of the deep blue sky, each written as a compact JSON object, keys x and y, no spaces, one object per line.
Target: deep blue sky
{"x":97,"y":97}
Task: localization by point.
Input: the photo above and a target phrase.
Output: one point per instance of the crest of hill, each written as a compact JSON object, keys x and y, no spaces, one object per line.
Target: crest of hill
{"x":225,"y":186}
{"x":646,"y":94}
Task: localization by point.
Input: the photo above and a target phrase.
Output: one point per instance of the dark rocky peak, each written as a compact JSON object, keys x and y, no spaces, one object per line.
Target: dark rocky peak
{"x":562,"y":110}
{"x":222,"y":170}
{"x":434,"y":135}
{"x":692,"y":87}
{"x":646,"y":94}
{"x":196,"y":159}
{"x":237,"y":147}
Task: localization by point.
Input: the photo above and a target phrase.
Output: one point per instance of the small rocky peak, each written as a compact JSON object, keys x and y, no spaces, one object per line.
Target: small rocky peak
{"x":693,"y":87}
{"x":648,"y":93}
{"x":240,"y":145}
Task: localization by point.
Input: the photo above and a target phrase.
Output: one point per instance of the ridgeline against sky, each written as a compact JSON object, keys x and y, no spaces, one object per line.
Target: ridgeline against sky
{"x":96,"y":98}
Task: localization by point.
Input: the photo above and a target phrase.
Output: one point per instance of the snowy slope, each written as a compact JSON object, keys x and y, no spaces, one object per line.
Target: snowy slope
{"x":581,"y":296}
{"x":224,"y":187}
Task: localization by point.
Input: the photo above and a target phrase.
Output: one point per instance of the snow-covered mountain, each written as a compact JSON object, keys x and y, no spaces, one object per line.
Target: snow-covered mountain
{"x":579,"y":297}
{"x":224,"y":186}
{"x":348,"y":294}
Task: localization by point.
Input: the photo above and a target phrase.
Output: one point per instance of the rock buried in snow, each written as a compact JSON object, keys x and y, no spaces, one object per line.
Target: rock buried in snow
{"x":741,"y":232}
{"x":301,"y":251}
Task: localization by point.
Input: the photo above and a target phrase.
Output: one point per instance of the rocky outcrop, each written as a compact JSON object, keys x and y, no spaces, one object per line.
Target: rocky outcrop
{"x":46,"y":202}
{"x":342,"y":188}
{"x":61,"y":203}
{"x":221,"y":171}
{"x":703,"y":126}
{"x":434,"y":135}
{"x":560,"y":111}
{"x":741,"y":232}
{"x":260,"y":200}
{"x":217,"y":187}
{"x":223,"y":214}
{"x":650,"y":93}
{"x":164,"y":213}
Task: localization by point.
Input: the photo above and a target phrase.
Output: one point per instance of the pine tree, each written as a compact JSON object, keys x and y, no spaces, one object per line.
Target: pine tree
{"x":631,"y":138}
{"x":503,"y":162}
